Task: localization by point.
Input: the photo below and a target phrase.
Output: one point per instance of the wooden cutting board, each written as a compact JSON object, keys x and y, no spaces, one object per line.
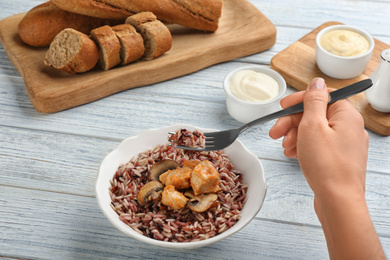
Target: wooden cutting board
{"x":243,"y":30}
{"x":297,"y":65}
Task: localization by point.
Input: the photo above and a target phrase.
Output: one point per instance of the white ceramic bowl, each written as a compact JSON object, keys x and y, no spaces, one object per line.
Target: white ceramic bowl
{"x":241,"y":158}
{"x":244,"y":111}
{"x":342,"y":67}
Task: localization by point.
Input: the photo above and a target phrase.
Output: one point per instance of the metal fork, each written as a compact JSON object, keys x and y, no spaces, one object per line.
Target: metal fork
{"x":222,"y":139}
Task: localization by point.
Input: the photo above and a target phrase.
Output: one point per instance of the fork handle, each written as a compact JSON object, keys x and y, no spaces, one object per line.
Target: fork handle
{"x":281,"y":113}
{"x":336,"y":95}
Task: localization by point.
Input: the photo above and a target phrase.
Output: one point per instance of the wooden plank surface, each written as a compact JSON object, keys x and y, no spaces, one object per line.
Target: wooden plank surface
{"x":49,"y":162}
{"x":297,"y":65}
{"x":51,"y":90}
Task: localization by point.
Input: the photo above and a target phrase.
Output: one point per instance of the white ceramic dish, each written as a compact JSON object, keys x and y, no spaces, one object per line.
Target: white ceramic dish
{"x":379,"y":94}
{"x":244,"y":111}
{"x":342,"y":67}
{"x":242,"y":159}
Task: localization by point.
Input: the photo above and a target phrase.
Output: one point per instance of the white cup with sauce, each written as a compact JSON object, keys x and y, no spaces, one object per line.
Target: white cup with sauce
{"x":244,"y":109}
{"x":343,"y":51}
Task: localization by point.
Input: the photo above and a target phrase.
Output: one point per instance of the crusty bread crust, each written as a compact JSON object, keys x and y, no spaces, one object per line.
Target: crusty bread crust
{"x":84,"y":57}
{"x":157,"y":37}
{"x":197,"y":14}
{"x":92,"y":8}
{"x":109,"y":45}
{"x":42,"y":23}
{"x":140,"y":18}
{"x":132,"y":44}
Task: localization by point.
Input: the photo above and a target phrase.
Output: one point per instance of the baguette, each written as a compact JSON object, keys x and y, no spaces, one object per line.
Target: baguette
{"x":132,"y":43}
{"x":42,"y":23}
{"x":156,"y":36}
{"x":196,"y":14}
{"x":72,"y":51}
{"x":109,"y":46}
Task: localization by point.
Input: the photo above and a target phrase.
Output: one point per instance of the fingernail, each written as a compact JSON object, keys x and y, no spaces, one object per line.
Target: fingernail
{"x":317,"y":83}
{"x":274,"y":125}
{"x":283,"y":141}
{"x":285,"y":138}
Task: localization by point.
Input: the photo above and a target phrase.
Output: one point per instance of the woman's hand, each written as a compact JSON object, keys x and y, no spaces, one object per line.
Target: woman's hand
{"x":329,"y":141}
{"x":331,"y":145}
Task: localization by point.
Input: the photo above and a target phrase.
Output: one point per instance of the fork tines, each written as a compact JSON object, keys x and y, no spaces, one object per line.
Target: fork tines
{"x":209,"y":139}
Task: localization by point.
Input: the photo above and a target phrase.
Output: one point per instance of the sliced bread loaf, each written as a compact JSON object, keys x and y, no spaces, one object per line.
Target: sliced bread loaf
{"x":157,"y":37}
{"x":132,"y":44}
{"x":197,"y":14}
{"x":42,"y":23}
{"x":72,"y":51}
{"x":109,"y":46}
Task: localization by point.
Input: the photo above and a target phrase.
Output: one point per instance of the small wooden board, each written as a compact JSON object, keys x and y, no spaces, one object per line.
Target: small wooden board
{"x":298,"y":67}
{"x":243,"y":30}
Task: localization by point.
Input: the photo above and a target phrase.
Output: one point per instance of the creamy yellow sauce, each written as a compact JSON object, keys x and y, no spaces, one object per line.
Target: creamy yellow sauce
{"x":346,"y":43}
{"x":252,"y":86}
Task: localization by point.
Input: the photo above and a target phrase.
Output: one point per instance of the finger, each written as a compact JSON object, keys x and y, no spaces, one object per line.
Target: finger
{"x":292,"y":99}
{"x":316,"y":100}
{"x":278,"y":130}
{"x":295,"y":98}
{"x":290,"y":139}
{"x":291,"y":153}
{"x":284,"y":124}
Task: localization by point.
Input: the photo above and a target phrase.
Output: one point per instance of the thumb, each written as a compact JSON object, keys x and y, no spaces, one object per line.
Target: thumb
{"x":316,"y":100}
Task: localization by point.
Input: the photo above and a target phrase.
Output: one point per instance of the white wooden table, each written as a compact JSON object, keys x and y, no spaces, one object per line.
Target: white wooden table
{"x":49,"y":162}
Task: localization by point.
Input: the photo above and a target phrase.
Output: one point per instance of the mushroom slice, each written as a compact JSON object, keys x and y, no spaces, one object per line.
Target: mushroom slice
{"x":151,"y":191}
{"x":161,"y":167}
{"x":200,"y":203}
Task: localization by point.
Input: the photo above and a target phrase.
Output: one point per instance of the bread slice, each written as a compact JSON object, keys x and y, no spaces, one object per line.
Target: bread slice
{"x":72,"y":51}
{"x":109,"y":46}
{"x":157,"y":37}
{"x":43,"y":22}
{"x":132,"y":44}
{"x":141,"y":18}
{"x":197,"y":14}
